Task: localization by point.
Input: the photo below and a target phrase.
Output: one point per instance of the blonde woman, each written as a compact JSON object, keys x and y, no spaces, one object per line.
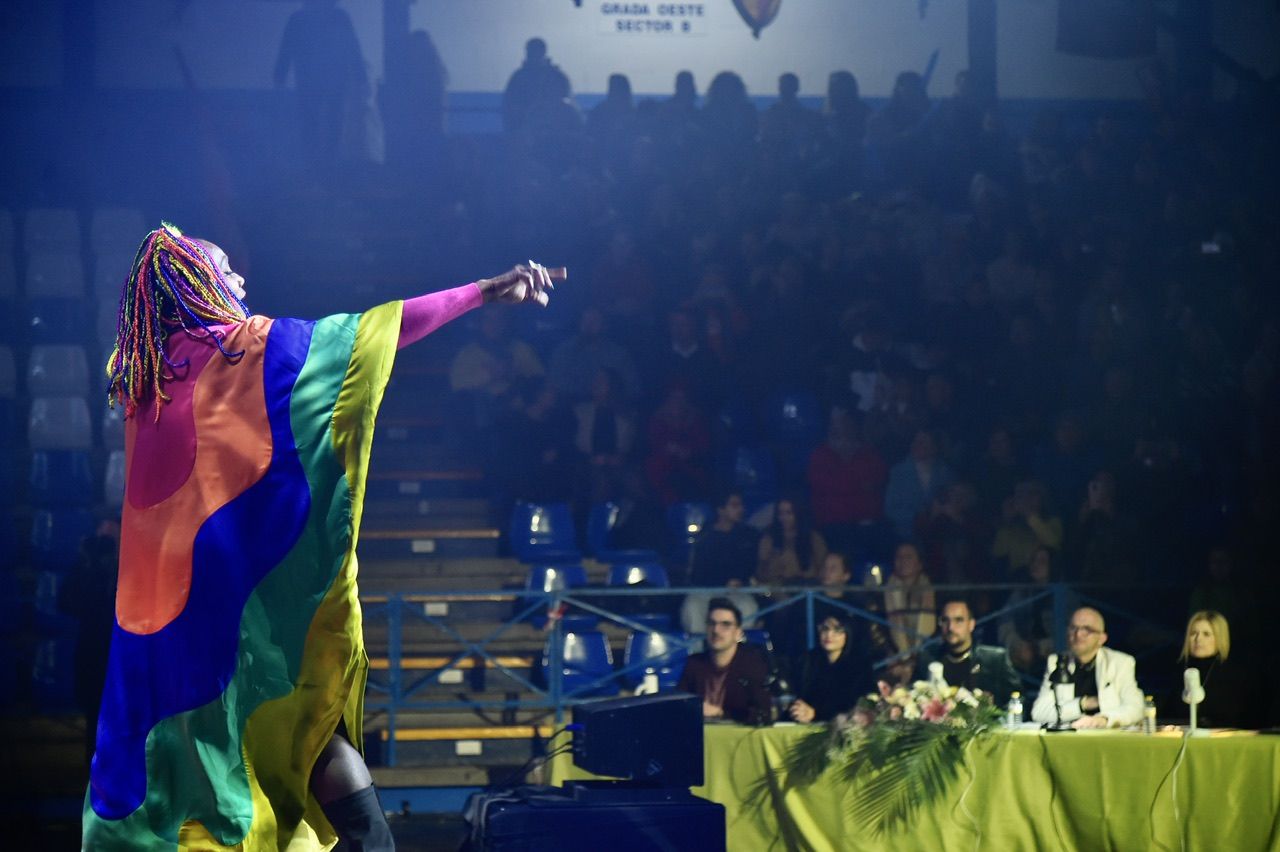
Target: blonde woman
{"x":1229,"y":695}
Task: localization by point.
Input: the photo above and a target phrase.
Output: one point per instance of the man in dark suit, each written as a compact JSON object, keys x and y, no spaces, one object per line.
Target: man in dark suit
{"x":729,"y":675}
{"x":984,"y":667}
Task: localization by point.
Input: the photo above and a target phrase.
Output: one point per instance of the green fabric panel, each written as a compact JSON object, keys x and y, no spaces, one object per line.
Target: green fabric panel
{"x":202,"y":770}
{"x":1082,"y":791}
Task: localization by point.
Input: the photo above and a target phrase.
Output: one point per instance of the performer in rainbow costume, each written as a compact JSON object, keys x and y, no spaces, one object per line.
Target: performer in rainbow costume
{"x":232,"y":711}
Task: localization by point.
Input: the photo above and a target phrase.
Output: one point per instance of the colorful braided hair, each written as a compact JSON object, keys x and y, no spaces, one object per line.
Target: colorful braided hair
{"x":174,"y":284}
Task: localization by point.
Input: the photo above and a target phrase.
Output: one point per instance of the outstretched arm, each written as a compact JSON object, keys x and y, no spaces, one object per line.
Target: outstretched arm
{"x":424,"y":314}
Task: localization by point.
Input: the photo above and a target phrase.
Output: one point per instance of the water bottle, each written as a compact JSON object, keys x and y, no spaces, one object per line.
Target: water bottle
{"x":1149,"y":715}
{"x":1013,"y":717}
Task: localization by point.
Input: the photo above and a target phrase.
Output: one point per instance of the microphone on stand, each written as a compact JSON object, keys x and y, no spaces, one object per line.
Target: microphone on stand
{"x":1064,"y":692}
{"x":1193,"y":694}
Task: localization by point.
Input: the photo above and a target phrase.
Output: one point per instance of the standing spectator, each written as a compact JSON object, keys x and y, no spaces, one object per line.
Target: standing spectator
{"x":833,"y":676}
{"x":540,"y":466}
{"x":845,"y":118}
{"x":999,"y":470}
{"x":846,"y":488}
{"x":790,"y":549}
{"x":788,"y":129}
{"x":534,"y":84}
{"x":953,"y":539}
{"x":1221,"y":591}
{"x":914,"y":483}
{"x":729,"y":675}
{"x":90,"y":598}
{"x":320,"y":47}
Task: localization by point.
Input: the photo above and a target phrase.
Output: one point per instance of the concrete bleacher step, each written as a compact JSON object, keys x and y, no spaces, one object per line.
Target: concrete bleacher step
{"x":390,"y":542}
{"x":46,"y":755}
{"x":444,"y":511}
{"x":422,"y":483}
{"x":479,"y":746}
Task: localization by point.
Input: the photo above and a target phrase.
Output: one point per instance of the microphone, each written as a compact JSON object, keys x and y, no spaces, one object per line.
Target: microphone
{"x":936,"y":678}
{"x":1064,"y":692}
{"x":1192,"y":691}
{"x":1193,"y":694}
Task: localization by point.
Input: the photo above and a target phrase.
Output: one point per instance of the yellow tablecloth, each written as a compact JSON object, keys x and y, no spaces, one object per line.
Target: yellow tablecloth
{"x":1031,"y":791}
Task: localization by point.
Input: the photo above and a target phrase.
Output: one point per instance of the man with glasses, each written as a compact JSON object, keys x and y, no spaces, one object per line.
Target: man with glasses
{"x":729,"y":676}
{"x":1106,"y":685}
{"x":964,"y":663}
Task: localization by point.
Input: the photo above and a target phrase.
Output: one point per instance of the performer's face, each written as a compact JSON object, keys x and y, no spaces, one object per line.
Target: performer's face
{"x":234,"y":280}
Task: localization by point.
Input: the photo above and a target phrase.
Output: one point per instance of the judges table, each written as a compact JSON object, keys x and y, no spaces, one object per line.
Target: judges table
{"x":1084,"y":790}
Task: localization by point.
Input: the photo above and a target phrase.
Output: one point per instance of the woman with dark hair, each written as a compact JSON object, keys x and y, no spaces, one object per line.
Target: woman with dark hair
{"x":232,"y":714}
{"x":833,"y":675}
{"x":791,"y":549}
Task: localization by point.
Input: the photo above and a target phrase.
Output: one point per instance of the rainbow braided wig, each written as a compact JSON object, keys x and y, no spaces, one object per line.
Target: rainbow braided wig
{"x":174,"y":284}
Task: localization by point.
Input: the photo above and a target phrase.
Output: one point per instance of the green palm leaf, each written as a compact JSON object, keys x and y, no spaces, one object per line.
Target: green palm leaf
{"x":925,"y":759}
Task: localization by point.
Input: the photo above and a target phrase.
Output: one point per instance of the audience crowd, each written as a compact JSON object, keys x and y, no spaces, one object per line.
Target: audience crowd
{"x":915,"y":345}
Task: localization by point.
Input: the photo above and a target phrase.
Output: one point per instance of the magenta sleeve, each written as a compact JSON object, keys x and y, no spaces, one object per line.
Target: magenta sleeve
{"x":424,"y":314}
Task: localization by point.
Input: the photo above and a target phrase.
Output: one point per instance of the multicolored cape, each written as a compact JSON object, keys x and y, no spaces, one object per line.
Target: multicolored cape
{"x":238,"y":644}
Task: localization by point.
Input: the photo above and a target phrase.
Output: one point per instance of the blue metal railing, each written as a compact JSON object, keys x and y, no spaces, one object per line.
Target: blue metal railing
{"x":399,"y":692}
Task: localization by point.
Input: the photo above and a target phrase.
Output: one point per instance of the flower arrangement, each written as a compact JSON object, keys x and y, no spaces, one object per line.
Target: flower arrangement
{"x":899,"y":750}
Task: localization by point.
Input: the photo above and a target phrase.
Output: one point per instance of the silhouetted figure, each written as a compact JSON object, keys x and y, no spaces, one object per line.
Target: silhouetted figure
{"x":320,"y":48}
{"x":788,"y":129}
{"x":537,"y":82}
{"x":90,"y":596}
{"x":612,"y":122}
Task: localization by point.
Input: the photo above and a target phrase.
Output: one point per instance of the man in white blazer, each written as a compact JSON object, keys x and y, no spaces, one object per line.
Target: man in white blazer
{"x":1106,"y":685}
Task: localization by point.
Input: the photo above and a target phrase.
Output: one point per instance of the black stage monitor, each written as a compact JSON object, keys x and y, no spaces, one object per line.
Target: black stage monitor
{"x":656,"y":739}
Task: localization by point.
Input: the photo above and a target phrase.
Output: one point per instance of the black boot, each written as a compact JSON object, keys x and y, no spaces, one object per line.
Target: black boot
{"x":360,"y":823}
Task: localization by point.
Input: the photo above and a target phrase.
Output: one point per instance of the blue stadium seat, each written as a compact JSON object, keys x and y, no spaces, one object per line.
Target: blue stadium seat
{"x":61,"y":478}
{"x":663,"y":653}
{"x":753,"y":472}
{"x":794,"y":417}
{"x":542,"y":532}
{"x":659,"y":621}
{"x":555,"y":577}
{"x":587,"y":658}
{"x":57,"y":321}
{"x":634,"y":573}
{"x":53,"y":672}
{"x":601,"y":522}
{"x":685,"y":522}
{"x":758,"y":636}
{"x":56,"y":535}
{"x":735,"y":421}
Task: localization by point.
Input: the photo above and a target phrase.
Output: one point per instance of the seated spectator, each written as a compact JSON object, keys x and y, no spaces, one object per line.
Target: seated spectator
{"x":1027,"y":524}
{"x":833,"y":676}
{"x":605,"y":437}
{"x":999,"y":472}
{"x":846,"y":488}
{"x":1230,"y":693}
{"x":729,"y":676}
{"x":908,"y":599}
{"x":790,"y":549}
{"x":1103,"y":541}
{"x":723,"y":556}
{"x":953,"y":540}
{"x":576,"y":361}
{"x":1026,"y":631}
{"x":679,"y":441}
{"x":914,"y":483}
{"x":493,"y":371}
{"x":965,"y":663}
{"x":540,"y":465}
{"x":1220,"y":591}
{"x":1105,"y":681}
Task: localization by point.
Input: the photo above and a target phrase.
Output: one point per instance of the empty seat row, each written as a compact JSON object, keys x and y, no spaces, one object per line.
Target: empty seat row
{"x":51,"y":228}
